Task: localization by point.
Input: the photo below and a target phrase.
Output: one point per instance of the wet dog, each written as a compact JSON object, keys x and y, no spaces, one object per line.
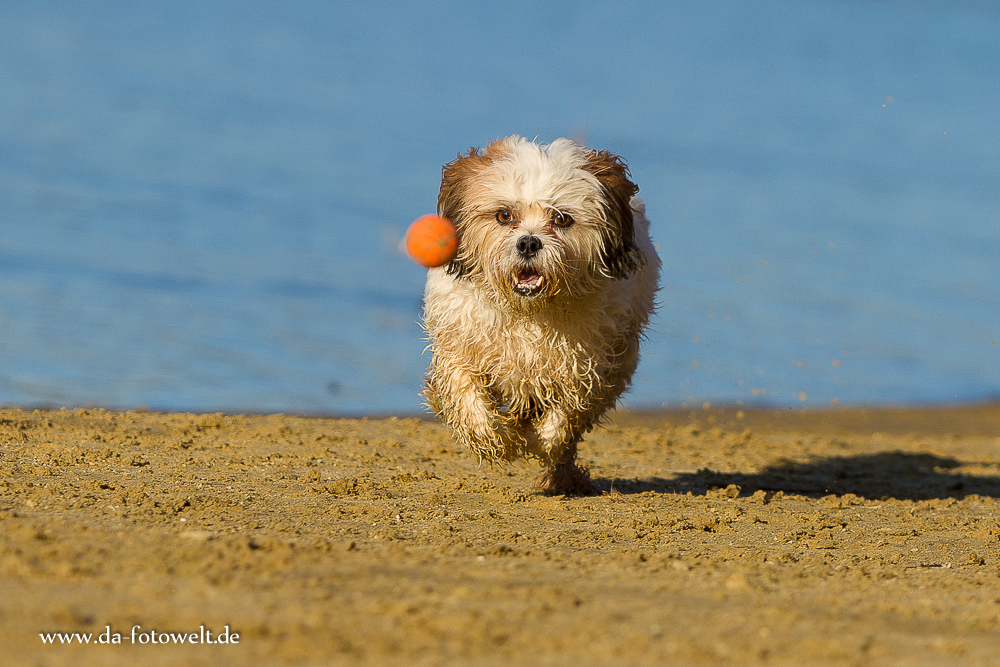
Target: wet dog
{"x":535,"y":325}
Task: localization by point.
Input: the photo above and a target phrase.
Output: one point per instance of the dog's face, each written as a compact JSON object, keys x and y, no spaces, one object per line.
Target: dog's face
{"x":539,"y":221}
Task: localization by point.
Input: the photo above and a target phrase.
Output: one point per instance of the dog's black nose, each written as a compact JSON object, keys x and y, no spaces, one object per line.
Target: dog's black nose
{"x":529,"y":246}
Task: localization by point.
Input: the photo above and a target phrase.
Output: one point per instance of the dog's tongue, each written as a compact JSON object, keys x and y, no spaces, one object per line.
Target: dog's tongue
{"x":525,"y":277}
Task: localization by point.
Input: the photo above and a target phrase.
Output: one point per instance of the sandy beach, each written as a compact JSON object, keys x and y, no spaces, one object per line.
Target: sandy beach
{"x":718,"y":537}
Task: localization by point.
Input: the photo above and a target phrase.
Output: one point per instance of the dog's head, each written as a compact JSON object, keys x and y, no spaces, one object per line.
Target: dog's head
{"x":539,"y":221}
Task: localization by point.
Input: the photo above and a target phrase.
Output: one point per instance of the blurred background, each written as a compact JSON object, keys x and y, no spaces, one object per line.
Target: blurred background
{"x":201,"y":203}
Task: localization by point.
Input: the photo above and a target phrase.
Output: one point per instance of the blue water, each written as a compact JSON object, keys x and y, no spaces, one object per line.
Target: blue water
{"x":201,"y":202}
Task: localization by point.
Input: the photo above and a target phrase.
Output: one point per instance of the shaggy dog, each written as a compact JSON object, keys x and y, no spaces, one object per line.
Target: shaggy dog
{"x":535,"y":325}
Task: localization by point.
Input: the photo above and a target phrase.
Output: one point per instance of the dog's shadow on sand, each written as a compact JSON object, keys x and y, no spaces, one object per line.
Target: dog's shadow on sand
{"x":886,"y":475}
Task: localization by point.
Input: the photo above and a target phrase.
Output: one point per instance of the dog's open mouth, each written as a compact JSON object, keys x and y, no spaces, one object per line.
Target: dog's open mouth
{"x":528,"y":283}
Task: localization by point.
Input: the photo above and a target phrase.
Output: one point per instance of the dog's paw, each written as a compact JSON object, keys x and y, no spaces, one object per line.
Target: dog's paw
{"x":565,"y":479}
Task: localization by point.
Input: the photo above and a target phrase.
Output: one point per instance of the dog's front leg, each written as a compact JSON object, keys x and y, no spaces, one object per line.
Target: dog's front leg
{"x":558,"y":435}
{"x":474,"y":415}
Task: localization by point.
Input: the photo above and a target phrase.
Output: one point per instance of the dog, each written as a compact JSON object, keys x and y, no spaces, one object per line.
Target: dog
{"x":535,"y":325}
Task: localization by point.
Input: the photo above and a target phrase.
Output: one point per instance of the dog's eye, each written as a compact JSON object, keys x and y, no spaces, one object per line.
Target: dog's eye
{"x":504,"y":216}
{"x":562,"y":220}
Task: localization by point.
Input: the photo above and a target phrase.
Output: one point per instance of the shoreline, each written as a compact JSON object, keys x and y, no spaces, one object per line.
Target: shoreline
{"x":849,"y":412}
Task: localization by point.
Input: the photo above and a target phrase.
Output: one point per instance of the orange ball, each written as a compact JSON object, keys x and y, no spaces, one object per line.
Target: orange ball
{"x":432,"y":241}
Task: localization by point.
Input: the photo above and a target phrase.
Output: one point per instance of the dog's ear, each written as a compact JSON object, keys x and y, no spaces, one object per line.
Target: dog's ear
{"x":620,"y":256}
{"x":456,"y":177}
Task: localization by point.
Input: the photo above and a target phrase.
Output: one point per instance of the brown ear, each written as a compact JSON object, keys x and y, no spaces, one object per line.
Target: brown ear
{"x":620,"y":256}
{"x":455,"y":179}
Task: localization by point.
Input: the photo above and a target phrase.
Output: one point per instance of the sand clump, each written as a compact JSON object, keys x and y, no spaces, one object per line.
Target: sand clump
{"x":760,"y":538}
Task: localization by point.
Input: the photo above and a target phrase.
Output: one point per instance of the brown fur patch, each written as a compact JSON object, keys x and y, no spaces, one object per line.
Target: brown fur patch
{"x":621,"y":256}
{"x":455,"y":179}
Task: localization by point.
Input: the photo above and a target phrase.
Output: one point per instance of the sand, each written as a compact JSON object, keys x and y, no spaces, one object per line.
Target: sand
{"x":848,"y":537}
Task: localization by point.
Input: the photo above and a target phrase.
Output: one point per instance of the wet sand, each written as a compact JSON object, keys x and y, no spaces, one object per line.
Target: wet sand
{"x":847,"y":537}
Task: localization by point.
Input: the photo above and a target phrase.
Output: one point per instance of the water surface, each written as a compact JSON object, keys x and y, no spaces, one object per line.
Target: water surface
{"x":202,"y":202}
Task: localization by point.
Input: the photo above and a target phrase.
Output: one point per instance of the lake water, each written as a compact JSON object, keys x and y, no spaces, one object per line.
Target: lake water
{"x":202,"y":201}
